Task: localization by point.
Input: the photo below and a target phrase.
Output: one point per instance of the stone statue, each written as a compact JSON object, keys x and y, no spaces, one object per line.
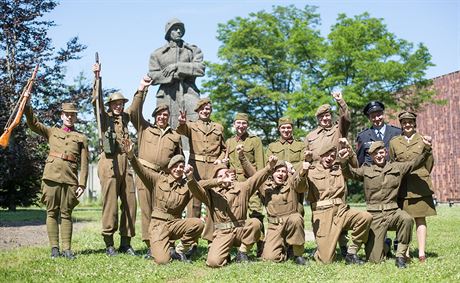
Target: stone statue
{"x":175,"y":67}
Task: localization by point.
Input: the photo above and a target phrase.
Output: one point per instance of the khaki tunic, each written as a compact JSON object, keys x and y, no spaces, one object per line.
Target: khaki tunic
{"x":285,"y":224}
{"x":228,"y":210}
{"x":156,"y":148}
{"x":171,"y":197}
{"x":330,"y":213}
{"x":68,"y":149}
{"x":117,"y":181}
{"x":381,"y":187}
{"x":206,"y":146}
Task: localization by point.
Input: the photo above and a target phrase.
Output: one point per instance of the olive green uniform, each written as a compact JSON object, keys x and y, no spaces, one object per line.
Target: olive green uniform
{"x":116,"y":180}
{"x":60,"y":177}
{"x":156,"y":148}
{"x":381,"y":186}
{"x":285,"y":223}
{"x":206,"y":146}
{"x":171,"y":197}
{"x":228,"y":208}
{"x":330,"y":213}
{"x":415,"y":194}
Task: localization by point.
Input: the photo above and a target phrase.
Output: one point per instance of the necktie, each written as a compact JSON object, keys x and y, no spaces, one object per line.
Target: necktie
{"x":380,"y":135}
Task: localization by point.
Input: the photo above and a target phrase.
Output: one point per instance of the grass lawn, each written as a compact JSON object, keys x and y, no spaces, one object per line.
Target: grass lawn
{"x":32,"y":264}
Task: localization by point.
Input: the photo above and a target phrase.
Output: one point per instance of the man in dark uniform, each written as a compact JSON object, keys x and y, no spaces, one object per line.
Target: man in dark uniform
{"x":379,"y":131}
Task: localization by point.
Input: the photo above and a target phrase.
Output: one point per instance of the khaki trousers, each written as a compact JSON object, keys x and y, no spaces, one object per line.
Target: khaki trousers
{"x":394,"y":220}
{"x":291,"y":232}
{"x":225,"y":239}
{"x":328,"y":224}
{"x":162,"y":232}
{"x":145,"y":197}
{"x":203,"y":171}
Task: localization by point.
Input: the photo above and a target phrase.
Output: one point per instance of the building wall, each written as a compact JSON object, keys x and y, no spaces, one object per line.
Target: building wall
{"x":442,"y":122}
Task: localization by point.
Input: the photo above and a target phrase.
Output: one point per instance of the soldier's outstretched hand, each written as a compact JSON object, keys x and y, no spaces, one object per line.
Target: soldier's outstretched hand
{"x":337,"y":95}
{"x":427,"y":140}
{"x":182,"y":117}
{"x":344,"y":153}
{"x":343,"y":142}
{"x":308,"y":155}
{"x":146,"y":81}
{"x":128,"y":147}
{"x":96,"y":68}
{"x":188,"y":171}
{"x":272,"y":159}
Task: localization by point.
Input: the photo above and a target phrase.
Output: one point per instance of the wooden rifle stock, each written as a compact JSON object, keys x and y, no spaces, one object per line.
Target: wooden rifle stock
{"x":97,"y":98}
{"x":18,"y":111}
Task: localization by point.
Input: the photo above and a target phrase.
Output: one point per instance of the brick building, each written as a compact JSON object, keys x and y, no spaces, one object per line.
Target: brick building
{"x":442,"y":122}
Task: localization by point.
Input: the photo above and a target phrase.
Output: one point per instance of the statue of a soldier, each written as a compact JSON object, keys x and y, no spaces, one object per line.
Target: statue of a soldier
{"x":175,"y":67}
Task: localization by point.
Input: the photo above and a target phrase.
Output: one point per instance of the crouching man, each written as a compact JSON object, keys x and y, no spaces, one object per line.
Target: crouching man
{"x":227,"y":202}
{"x":171,"y":191}
{"x":382,"y":180}
{"x":330,"y":213}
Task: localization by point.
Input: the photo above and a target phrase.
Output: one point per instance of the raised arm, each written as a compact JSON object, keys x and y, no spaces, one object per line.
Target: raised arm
{"x":195,"y":188}
{"x":347,"y":170}
{"x":183,"y":127}
{"x":406,"y":167}
{"x":345,"y":118}
{"x":34,"y":124}
{"x":136,"y":107}
{"x":254,"y":182}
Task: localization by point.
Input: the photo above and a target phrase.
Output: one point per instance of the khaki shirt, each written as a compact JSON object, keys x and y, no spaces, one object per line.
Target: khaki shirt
{"x":253,"y":152}
{"x":156,"y":146}
{"x":229,"y":204}
{"x":171,"y":196}
{"x":72,"y":144}
{"x":325,"y":183}
{"x":316,"y":138}
{"x":206,"y":139}
{"x":418,"y":182}
{"x":292,"y":152}
{"x":282,"y":200}
{"x":381,"y":184}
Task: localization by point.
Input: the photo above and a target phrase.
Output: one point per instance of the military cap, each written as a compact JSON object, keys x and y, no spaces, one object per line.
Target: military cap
{"x":373,"y":106}
{"x":116,"y":96}
{"x":407,"y":115}
{"x":280,"y":163}
{"x":175,"y":159}
{"x":323,"y":109}
{"x":69,"y":107}
{"x":218,"y":167}
{"x":284,"y":120}
{"x":171,"y":23}
{"x":376,"y":145}
{"x":160,"y":108}
{"x":200,"y":103}
{"x":241,"y":116}
{"x":326,"y":147}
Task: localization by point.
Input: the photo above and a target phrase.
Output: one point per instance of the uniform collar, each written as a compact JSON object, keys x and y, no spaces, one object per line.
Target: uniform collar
{"x":67,"y":129}
{"x":289,"y":141}
{"x":242,"y":138}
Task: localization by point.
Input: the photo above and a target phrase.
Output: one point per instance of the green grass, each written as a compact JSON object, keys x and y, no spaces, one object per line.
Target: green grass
{"x":34,"y":265}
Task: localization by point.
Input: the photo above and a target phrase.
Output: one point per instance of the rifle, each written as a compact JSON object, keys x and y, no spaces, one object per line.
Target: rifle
{"x":18,"y":110}
{"x":98,"y":100}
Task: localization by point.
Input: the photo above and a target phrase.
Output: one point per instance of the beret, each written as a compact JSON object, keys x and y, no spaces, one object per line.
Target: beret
{"x":175,"y":159}
{"x":201,"y":102}
{"x":323,"y":109}
{"x":376,"y":145}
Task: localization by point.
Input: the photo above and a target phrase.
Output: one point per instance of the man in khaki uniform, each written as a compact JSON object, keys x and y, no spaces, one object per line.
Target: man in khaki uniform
{"x":157,"y":144}
{"x":227,"y":202}
{"x":60,"y":183}
{"x":254,"y":153}
{"x":285,"y":224}
{"x":382,"y":180}
{"x":330,"y":213}
{"x":207,"y":146}
{"x":172,"y":194}
{"x":115,"y":175}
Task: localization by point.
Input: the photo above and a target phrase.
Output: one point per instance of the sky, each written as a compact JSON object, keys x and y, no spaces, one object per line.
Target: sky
{"x":125,"y":32}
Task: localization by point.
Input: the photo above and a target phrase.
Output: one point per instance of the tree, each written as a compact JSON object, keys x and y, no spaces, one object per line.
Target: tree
{"x":265,"y":58}
{"x":24,"y":43}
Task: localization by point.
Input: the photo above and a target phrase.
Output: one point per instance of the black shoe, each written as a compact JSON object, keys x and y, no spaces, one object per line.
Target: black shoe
{"x":127,"y":250}
{"x":110,"y":251}
{"x":353,"y":259}
{"x":178,"y":256}
{"x":290,"y":252}
{"x":395,"y":245}
{"x":148,"y":255}
{"x":54,"y":252}
{"x":387,"y":248}
{"x":401,"y":262}
{"x":300,"y":260}
{"x":344,"y":251}
{"x":241,"y":257}
{"x":68,"y":254}
{"x":192,"y":251}
{"x":260,"y":248}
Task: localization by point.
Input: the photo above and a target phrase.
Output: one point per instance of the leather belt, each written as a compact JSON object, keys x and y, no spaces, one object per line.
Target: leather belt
{"x":277,"y":220}
{"x":64,"y":156}
{"x":163,"y":215}
{"x":229,"y":225}
{"x":203,"y":158}
{"x":326,"y":203}
{"x":145,"y":163}
{"x":381,"y":206}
